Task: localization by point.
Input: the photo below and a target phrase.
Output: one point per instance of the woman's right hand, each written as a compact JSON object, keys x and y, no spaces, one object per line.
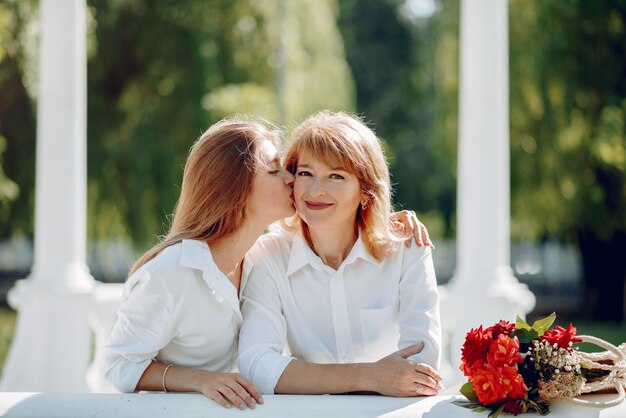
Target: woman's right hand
{"x":395,"y":375}
{"x":226,"y":389}
{"x":229,"y":389}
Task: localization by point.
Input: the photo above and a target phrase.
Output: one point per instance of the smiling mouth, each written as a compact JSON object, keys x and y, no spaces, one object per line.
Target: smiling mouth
{"x":317,"y":205}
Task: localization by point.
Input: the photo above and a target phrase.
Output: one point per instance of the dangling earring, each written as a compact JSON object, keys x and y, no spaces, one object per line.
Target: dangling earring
{"x":364,"y":205}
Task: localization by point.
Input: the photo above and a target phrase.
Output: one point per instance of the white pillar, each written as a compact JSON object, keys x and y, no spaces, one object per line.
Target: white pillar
{"x":483,"y":289}
{"x":51,"y":346}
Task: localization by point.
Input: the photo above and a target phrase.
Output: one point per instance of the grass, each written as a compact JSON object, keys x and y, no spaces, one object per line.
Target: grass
{"x":7,"y":326}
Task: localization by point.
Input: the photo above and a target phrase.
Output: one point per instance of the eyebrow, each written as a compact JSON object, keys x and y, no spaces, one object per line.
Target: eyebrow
{"x":331,"y":168}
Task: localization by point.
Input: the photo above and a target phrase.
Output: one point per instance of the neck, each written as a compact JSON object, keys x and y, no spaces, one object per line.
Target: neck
{"x":333,"y":244}
{"x":228,"y":252}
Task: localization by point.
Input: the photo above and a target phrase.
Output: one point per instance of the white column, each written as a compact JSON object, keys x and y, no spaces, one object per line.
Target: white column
{"x":51,"y":346}
{"x":483,"y":289}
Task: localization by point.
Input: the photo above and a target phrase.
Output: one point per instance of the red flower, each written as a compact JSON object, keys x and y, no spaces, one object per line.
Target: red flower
{"x":512,"y":407}
{"x":503,"y":351}
{"x":475,"y":348}
{"x":502,"y":327}
{"x":487,"y":386}
{"x":562,"y":337}
{"x":469,"y":369}
{"x":513,"y":383}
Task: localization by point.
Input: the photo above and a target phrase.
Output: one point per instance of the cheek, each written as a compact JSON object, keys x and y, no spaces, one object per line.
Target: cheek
{"x":298,"y":187}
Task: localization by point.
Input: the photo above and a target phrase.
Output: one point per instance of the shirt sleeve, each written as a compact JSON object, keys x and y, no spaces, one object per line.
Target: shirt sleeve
{"x":418,"y":318}
{"x":144,"y":326}
{"x":263,"y":335}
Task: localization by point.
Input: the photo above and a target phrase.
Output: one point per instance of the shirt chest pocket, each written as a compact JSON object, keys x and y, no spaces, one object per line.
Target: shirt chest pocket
{"x":379,"y":331}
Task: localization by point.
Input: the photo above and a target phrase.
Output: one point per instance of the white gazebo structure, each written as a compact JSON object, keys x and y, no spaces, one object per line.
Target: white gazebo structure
{"x":483,"y":289}
{"x":51,"y":347}
{"x":52,"y":341}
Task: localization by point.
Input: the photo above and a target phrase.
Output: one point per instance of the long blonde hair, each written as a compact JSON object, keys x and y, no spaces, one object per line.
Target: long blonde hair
{"x":343,"y":140}
{"x":217,"y":179}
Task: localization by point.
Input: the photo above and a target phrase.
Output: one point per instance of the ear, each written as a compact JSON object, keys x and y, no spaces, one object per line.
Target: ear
{"x":366,"y":198}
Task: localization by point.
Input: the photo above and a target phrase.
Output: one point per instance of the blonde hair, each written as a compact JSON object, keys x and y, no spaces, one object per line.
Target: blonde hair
{"x":343,"y":140}
{"x":216,"y":183}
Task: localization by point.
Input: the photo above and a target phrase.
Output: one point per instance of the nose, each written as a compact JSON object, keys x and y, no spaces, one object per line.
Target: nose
{"x":316,"y":187}
{"x":288,"y":177}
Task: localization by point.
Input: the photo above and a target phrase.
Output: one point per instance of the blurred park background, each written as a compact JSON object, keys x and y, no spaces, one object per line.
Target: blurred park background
{"x":161,"y":72}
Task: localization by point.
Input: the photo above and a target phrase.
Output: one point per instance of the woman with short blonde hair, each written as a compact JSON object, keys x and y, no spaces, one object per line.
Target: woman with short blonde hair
{"x":335,"y":303}
{"x":345,"y":141}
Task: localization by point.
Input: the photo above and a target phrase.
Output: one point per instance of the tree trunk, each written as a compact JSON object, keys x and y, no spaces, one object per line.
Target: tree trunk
{"x":604,"y":274}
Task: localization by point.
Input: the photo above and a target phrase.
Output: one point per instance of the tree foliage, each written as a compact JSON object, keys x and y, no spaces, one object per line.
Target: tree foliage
{"x":568,"y":132}
{"x":159,"y":73}
{"x":568,"y":135}
{"x":393,"y":60}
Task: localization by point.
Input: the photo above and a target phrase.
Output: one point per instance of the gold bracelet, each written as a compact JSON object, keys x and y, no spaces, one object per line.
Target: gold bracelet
{"x":163,"y":380}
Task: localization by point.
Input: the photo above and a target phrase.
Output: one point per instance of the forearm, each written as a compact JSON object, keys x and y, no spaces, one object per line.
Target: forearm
{"x":301,"y":377}
{"x":177,"y":379}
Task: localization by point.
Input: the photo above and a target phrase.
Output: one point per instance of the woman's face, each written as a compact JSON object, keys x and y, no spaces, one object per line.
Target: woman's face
{"x":271,"y":197}
{"x":325,"y":196}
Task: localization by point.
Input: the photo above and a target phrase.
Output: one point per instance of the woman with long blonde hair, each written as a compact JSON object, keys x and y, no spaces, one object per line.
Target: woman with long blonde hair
{"x":179,"y":319}
{"x":335,"y":303}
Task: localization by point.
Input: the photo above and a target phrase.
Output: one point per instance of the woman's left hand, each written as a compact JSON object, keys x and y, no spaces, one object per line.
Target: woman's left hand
{"x":405,"y":221}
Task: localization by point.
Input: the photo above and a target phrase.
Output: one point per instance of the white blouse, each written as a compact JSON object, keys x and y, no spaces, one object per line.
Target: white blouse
{"x":295,"y":306}
{"x":178,"y":308}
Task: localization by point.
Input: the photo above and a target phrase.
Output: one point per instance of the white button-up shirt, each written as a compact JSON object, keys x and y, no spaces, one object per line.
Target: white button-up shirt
{"x":295,"y":306}
{"x":178,"y":308}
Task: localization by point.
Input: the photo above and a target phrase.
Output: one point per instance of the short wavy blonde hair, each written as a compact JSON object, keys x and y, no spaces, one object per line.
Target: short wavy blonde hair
{"x":343,"y":140}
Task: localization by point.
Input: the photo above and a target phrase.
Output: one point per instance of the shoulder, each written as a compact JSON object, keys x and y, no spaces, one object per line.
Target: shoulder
{"x":412,"y":255}
{"x":275,"y":244}
{"x":162,"y":273}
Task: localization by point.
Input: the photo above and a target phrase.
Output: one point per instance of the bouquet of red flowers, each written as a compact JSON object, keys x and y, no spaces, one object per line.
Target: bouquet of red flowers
{"x":519,"y":368}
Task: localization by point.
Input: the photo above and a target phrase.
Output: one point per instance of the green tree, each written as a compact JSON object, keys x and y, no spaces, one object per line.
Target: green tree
{"x":17,"y":120}
{"x":394,"y":67}
{"x":568,"y":135}
{"x":159,"y":73}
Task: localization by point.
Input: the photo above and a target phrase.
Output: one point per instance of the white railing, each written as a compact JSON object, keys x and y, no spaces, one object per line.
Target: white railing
{"x":161,"y":405}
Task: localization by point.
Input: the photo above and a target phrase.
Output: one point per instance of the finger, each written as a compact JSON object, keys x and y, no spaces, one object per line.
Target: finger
{"x":428,"y":371}
{"x":419,"y":234}
{"x":418,"y":229}
{"x":232,"y":397}
{"x":250,"y":388}
{"x":243,"y":394}
{"x":427,"y":381}
{"x":411,"y":350}
{"x":427,"y":237}
{"x":423,"y":390}
{"x":217,"y":397}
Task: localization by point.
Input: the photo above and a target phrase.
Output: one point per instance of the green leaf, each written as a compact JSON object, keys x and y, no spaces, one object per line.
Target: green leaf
{"x":521,"y":324}
{"x":467,"y":390}
{"x":494,"y":414}
{"x":525,"y":335}
{"x":542,"y":325}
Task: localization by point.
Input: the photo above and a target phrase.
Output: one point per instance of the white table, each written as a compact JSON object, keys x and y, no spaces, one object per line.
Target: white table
{"x":190,"y":405}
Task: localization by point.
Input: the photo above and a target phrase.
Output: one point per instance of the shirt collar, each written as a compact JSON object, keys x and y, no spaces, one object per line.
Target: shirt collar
{"x":196,"y":254}
{"x":301,"y":255}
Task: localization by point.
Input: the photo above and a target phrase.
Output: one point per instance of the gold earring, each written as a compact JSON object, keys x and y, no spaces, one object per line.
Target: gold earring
{"x":364,"y":205}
